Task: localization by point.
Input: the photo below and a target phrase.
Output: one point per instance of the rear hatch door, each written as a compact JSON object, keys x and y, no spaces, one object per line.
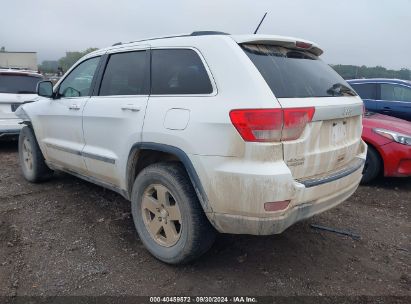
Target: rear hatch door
{"x":299,"y":79}
{"x":15,"y":89}
{"x":330,"y":141}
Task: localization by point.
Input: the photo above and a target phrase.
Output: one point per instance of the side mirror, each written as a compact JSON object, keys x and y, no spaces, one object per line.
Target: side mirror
{"x":45,"y":89}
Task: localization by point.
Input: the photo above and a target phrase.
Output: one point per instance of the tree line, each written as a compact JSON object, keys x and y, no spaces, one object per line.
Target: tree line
{"x":346,"y":71}
{"x":354,"y":72}
{"x":64,"y":63}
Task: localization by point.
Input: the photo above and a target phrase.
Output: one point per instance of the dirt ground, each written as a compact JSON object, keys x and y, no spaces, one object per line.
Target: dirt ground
{"x":70,"y":237}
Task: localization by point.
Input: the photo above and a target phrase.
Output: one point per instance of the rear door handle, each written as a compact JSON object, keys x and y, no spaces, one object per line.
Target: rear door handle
{"x":132,"y":108}
{"x":74,"y":107}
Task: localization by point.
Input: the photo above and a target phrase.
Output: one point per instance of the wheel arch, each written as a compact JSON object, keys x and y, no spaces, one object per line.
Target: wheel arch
{"x":22,"y":114}
{"x":26,"y":118}
{"x":379,"y":153}
{"x":144,"y":154}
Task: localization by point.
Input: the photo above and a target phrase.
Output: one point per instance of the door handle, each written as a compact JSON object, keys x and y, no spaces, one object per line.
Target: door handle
{"x":74,"y":107}
{"x":132,"y":108}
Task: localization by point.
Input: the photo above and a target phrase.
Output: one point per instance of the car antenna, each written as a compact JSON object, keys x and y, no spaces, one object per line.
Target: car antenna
{"x":258,"y":27}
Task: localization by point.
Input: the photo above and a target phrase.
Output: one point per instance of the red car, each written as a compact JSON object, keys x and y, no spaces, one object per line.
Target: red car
{"x":389,"y":146}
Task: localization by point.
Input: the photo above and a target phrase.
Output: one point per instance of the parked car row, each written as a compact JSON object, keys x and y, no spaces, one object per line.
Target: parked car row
{"x":16,"y":87}
{"x":389,"y":146}
{"x":386,"y":96}
{"x":388,"y":137}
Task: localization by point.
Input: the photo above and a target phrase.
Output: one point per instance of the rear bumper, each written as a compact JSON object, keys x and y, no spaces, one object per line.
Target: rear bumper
{"x":277,"y":223}
{"x":9,"y":133}
{"x":9,"y":128}
{"x":237,"y":190}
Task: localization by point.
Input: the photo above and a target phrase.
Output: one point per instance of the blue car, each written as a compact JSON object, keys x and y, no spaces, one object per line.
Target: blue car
{"x":386,"y":96}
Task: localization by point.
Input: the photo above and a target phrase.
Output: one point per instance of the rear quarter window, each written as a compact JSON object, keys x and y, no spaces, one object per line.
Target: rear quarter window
{"x":178,"y":72}
{"x":296,"y":74}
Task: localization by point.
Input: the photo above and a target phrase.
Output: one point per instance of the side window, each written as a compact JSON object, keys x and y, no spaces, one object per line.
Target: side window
{"x":178,"y":71}
{"x":78,"y":82}
{"x":125,"y":74}
{"x":366,"y":90}
{"x":406,"y":94}
{"x":395,"y":93}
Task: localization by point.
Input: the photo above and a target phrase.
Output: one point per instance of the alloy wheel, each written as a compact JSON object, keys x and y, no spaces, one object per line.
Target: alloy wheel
{"x":161,"y":215}
{"x":27,"y":154}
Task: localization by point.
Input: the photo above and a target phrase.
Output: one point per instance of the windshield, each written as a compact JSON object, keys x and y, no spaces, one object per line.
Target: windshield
{"x":18,"y":84}
{"x":292,"y":74}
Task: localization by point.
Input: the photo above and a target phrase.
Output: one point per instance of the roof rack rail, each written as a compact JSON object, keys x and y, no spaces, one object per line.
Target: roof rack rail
{"x":196,"y":33}
{"x":157,"y":38}
{"x":205,"y":33}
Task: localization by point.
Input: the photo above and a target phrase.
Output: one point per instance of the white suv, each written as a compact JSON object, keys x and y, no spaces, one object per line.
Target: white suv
{"x":202,"y":133}
{"x":16,"y":87}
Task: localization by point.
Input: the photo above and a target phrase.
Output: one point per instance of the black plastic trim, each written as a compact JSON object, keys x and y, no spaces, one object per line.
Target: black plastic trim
{"x":356,"y":164}
{"x":99,"y":75}
{"x":378,"y":91}
{"x":84,"y":154}
{"x":207,"y":33}
{"x":9,"y":132}
{"x":98,"y":157}
{"x":182,"y":156}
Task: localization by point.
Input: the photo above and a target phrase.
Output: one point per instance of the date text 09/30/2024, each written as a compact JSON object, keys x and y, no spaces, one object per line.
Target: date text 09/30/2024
{"x":203,"y":299}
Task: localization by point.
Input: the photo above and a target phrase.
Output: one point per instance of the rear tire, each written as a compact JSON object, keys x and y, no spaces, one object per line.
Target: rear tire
{"x":168,"y":216}
{"x":32,"y":162}
{"x":372,"y":166}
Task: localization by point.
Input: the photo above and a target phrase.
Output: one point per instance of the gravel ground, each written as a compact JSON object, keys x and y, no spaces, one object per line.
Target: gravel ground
{"x":70,"y":237}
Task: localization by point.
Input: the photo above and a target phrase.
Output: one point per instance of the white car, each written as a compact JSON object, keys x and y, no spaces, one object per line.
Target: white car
{"x":16,"y":87}
{"x":202,"y":133}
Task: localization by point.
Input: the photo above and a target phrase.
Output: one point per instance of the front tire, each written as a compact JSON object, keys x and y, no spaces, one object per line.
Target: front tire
{"x":32,"y":162}
{"x":372,"y":166}
{"x":168,"y":216}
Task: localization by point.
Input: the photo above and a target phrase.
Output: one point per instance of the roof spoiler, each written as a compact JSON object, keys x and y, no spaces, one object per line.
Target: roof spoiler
{"x":291,"y":43}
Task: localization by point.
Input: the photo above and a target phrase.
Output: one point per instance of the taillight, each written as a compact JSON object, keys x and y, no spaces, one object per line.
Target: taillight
{"x":303,"y":45}
{"x":295,"y":120}
{"x":259,"y":124}
{"x":270,"y":125}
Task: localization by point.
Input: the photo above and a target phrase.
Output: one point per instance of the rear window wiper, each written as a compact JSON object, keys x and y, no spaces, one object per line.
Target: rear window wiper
{"x":338,"y":89}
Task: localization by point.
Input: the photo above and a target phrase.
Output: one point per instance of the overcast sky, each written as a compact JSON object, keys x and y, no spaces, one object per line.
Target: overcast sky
{"x":368,"y":32}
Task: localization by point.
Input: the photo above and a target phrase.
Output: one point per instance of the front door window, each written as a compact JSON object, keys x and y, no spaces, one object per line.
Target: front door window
{"x":78,"y":82}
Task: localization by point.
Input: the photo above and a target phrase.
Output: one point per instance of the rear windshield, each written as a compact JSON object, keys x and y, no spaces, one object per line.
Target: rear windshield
{"x":291,"y":73}
{"x":18,"y":84}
